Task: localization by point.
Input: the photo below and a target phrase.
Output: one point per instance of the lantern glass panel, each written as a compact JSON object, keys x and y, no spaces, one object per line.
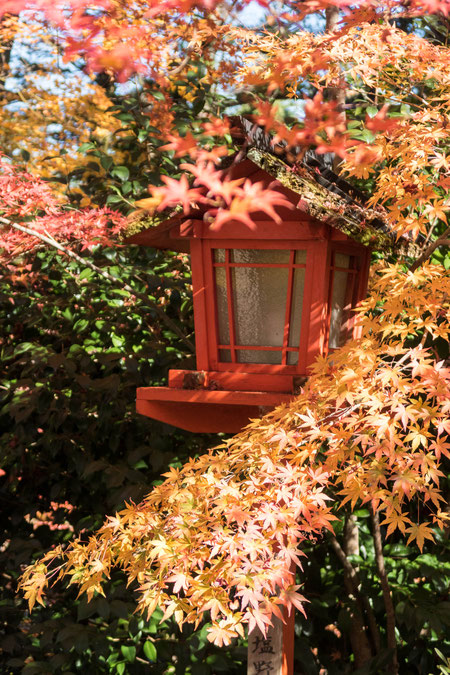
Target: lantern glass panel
{"x":300,"y":257}
{"x":259,"y":309}
{"x":222,"y":305}
{"x":262,"y":294}
{"x":260,"y":256}
{"x":339,"y":300}
{"x":296,"y":313}
{"x":259,"y":356}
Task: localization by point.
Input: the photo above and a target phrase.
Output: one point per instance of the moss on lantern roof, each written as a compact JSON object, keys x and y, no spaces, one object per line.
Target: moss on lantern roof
{"x":354,"y":219}
{"x":324,"y":194}
{"x":141,"y":220}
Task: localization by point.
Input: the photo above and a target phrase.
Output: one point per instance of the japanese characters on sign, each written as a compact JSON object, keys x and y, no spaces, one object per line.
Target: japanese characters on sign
{"x":265,"y":652}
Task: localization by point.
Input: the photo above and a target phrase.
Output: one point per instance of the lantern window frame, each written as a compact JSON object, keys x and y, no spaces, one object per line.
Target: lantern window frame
{"x":357,"y":275}
{"x":211,"y":299}
{"x":316,"y":303}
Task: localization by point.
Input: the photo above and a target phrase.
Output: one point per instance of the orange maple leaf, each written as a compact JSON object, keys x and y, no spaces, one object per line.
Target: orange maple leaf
{"x":418,"y":533}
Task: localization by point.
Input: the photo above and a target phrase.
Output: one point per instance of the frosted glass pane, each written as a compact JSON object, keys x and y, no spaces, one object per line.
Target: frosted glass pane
{"x":222,"y":305}
{"x":338,"y":313}
{"x":266,"y":256}
{"x":225,"y":355}
{"x":260,"y":305}
{"x":219,"y":255}
{"x":292,"y":358}
{"x":300,"y":257}
{"x":341,"y":260}
{"x":256,"y":356}
{"x":296,"y":308}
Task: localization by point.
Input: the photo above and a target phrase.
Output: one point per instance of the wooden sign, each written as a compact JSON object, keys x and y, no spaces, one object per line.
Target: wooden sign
{"x":265,"y":654}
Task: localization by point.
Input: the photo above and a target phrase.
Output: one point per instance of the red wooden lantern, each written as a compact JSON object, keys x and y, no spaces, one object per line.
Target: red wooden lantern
{"x":267,"y":300}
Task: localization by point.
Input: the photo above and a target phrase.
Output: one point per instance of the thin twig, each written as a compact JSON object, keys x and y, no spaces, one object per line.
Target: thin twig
{"x":48,"y":239}
{"x":443,"y":240}
{"x":180,"y":66}
{"x":387,"y":597}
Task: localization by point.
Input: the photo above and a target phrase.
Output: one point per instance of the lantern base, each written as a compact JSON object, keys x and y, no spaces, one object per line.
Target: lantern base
{"x":206,"y":411}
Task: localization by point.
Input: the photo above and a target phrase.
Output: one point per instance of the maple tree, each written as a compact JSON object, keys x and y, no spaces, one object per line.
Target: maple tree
{"x":44,"y":126}
{"x":218,"y":537}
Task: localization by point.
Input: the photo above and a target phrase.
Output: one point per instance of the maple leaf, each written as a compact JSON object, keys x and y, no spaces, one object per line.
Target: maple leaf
{"x":267,"y":114}
{"x":436,"y":210}
{"x":176,"y":192}
{"x":257,"y":619}
{"x":218,"y":186}
{"x":180,"y":581}
{"x":251,"y":197}
{"x":238,"y":515}
{"x":215,"y":606}
{"x":35,"y":585}
{"x":418,"y":533}
{"x":120,"y":59}
{"x":250,"y":596}
{"x":216,"y":127}
{"x":221,"y":635}
{"x":290,"y":598}
{"x":417,"y":438}
{"x":149,"y":204}
{"x":182,"y":145}
{"x":440,"y":447}
{"x":381,"y":122}
{"x":396,"y":520}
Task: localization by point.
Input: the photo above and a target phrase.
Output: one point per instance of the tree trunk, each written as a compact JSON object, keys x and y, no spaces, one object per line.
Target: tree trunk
{"x":358,"y":635}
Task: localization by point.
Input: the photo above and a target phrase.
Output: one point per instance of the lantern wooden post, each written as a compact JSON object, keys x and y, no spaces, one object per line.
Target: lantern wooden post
{"x":273,"y":654}
{"x":266,"y":654}
{"x":288,"y":644}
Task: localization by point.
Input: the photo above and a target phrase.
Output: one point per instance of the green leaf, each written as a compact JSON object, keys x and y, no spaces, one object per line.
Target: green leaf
{"x":24,"y":347}
{"x":198,"y":104}
{"x":129,"y":653}
{"x":120,"y":291}
{"x":150,"y":651}
{"x":113,"y":199}
{"x":84,"y":147}
{"x":106,"y":162}
{"x":80,"y":325}
{"x":87,"y":273}
{"x":121,"y":172}
{"x":397,"y":550}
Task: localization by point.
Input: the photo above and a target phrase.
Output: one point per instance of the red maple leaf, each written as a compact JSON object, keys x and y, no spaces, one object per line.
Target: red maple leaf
{"x":177,"y":192}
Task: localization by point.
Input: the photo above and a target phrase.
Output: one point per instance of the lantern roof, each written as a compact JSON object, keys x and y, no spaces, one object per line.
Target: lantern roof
{"x":310,"y":185}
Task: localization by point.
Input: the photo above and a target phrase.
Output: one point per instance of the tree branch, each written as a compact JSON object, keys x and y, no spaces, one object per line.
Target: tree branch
{"x":387,"y":597}
{"x":48,"y":239}
{"x":355,"y":582}
{"x":443,"y":240}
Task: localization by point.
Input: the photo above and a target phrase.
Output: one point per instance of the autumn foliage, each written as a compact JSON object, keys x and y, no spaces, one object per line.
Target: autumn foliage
{"x":32,"y":213}
{"x":220,"y":536}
